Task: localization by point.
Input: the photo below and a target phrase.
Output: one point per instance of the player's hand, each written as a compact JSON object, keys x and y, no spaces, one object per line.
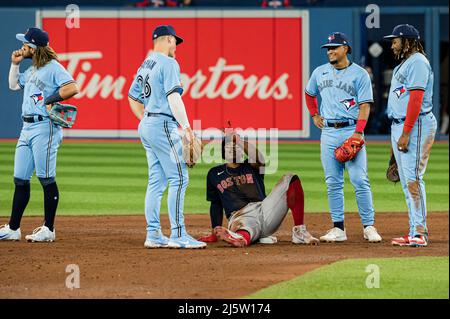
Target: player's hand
{"x":358,"y":136}
{"x":16,"y":57}
{"x":402,"y":143}
{"x":232,"y":135}
{"x":318,"y":121}
{"x":189,"y":133}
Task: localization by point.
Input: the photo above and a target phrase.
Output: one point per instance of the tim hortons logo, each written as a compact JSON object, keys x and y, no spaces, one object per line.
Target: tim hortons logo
{"x":224,"y":81}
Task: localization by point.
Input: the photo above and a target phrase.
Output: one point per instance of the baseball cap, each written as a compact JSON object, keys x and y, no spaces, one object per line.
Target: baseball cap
{"x":166,"y":30}
{"x":34,"y":37}
{"x":336,"y":39}
{"x":404,"y":31}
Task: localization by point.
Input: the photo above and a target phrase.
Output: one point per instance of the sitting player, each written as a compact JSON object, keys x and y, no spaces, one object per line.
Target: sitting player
{"x":238,"y":188}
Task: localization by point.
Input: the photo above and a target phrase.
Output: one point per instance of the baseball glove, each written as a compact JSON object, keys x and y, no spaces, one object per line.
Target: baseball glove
{"x":192,"y":150}
{"x":392,"y":170}
{"x":62,"y":114}
{"x":348,"y":150}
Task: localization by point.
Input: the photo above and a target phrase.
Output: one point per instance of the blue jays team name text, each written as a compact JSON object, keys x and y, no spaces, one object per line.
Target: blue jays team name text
{"x":341,"y":85}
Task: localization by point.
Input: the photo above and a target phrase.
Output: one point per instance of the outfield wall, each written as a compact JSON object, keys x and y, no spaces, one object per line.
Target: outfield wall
{"x":273,"y":50}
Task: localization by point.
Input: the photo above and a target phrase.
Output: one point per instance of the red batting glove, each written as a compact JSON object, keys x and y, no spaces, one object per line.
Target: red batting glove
{"x":208,"y":239}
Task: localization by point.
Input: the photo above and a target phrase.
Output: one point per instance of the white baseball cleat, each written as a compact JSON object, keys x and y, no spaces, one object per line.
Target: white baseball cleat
{"x":301,"y":236}
{"x":371,"y":234}
{"x":186,"y":242}
{"x":268,"y":240}
{"x":41,"y":234}
{"x":334,"y":235}
{"x":156,"y":239}
{"x":7,"y":233}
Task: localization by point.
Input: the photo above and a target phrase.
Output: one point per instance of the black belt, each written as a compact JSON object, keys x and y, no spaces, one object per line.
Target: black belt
{"x":399,"y":121}
{"x":338,"y":124}
{"x":32,"y":119}
{"x":160,"y":114}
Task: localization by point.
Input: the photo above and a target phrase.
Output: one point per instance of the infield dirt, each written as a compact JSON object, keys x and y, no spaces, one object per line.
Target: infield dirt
{"x":113,"y":262}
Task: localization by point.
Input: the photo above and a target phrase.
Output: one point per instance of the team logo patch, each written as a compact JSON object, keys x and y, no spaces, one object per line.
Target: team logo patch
{"x":348,"y":103}
{"x":37,"y":97}
{"x":399,"y":91}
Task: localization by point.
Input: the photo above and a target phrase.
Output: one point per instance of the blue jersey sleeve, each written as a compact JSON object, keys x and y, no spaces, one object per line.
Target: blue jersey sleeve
{"x":364,"y":89}
{"x":171,"y":78}
{"x":312,"y":88}
{"x":136,"y":93}
{"x":418,"y":75}
{"x":61,"y":76}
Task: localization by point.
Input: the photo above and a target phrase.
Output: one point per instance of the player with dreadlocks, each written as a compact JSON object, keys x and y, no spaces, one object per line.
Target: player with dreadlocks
{"x":413,"y":126}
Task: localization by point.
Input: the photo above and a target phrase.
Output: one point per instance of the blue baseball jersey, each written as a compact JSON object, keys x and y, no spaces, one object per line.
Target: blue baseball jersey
{"x":41,"y":83}
{"x":341,"y":91}
{"x":412,"y":74}
{"x":157,"y":77}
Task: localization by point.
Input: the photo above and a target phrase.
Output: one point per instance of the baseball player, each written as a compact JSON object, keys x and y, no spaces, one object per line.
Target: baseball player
{"x":413,"y":126}
{"x":155,"y":98}
{"x":237,"y":187}
{"x":346,"y":93}
{"x":45,"y":82}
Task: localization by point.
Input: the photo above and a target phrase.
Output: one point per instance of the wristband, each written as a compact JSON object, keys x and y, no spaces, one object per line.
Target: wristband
{"x":360,"y":125}
{"x":53,"y":98}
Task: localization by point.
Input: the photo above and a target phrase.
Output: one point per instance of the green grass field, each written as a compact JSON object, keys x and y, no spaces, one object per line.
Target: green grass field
{"x":111,"y":178}
{"x":399,"y":278}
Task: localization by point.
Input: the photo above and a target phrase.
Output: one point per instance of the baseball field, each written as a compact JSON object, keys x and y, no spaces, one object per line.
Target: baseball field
{"x":100,"y":228}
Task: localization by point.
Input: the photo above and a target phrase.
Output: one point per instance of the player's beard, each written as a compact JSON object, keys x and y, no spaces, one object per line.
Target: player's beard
{"x":27,"y":55}
{"x":398,"y":54}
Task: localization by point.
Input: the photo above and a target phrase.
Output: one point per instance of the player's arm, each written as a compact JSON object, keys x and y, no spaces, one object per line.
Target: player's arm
{"x":417,"y":82}
{"x":136,"y":107}
{"x":13,"y":78}
{"x":215,"y":209}
{"x":174,"y":89}
{"x":311,"y":92}
{"x":67,"y":87}
{"x":178,"y":109}
{"x":68,"y":90}
{"x":365,"y":99}
{"x":135,"y":97}
{"x":216,"y":213}
{"x":255,"y":157}
{"x":63,"y":93}
{"x":363,"y":116}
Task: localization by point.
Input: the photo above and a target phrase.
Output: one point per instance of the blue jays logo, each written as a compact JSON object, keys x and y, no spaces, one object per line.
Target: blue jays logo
{"x":37,"y":97}
{"x":348,"y":103}
{"x":399,"y":91}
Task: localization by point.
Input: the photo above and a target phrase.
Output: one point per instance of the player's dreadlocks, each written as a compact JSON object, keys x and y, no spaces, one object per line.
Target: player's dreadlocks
{"x":409,"y":46}
{"x":43,"y":55}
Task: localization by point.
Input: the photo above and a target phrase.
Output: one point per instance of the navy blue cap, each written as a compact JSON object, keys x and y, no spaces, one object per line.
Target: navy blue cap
{"x":404,"y":31}
{"x":336,"y":39}
{"x":166,"y":30}
{"x":34,"y":37}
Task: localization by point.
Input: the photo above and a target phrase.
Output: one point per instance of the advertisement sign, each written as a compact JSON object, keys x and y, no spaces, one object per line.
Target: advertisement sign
{"x":249,"y":67}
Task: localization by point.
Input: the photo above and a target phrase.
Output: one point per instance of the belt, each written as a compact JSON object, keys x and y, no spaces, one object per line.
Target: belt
{"x":160,"y":114}
{"x":399,"y":121}
{"x":32,"y":118}
{"x":339,"y":124}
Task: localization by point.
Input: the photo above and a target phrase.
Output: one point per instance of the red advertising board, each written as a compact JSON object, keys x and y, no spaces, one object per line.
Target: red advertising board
{"x":249,"y":67}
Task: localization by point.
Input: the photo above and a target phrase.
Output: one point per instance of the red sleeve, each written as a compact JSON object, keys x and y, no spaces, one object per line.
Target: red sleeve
{"x":413,"y":109}
{"x":311,"y":103}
